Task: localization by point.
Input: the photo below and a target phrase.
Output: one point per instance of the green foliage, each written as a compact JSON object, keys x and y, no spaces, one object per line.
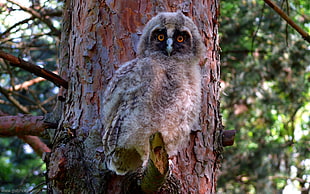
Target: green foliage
{"x":26,"y":36}
{"x":19,"y":170}
{"x":266,"y":74}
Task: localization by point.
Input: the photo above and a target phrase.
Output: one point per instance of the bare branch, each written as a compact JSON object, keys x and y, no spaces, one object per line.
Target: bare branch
{"x":37,"y":145}
{"x":28,"y":83}
{"x":35,"y":142}
{"x":21,"y":46}
{"x":303,"y":33}
{"x":39,"y":16}
{"x":49,"y":100}
{"x":52,"y":12}
{"x":18,"y":62}
{"x":21,"y":125}
{"x":15,"y":102}
{"x":15,"y":25}
{"x":37,"y":101}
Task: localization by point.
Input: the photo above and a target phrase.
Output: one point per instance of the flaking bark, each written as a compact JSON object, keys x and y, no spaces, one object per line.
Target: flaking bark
{"x":97,"y":38}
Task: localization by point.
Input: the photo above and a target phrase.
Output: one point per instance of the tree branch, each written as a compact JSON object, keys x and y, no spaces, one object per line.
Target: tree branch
{"x":39,"y":16}
{"x":18,"y":62}
{"x":26,"y":84}
{"x":35,"y":142}
{"x":21,"y":125}
{"x":37,"y":145}
{"x":303,"y":33}
{"x":15,"y":25}
{"x":15,"y":102}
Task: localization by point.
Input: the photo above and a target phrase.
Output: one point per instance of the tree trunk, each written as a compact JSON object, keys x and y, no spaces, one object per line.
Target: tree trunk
{"x":97,"y":37}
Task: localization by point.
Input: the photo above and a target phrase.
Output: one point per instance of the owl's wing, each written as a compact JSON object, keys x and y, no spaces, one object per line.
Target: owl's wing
{"x":115,"y":105}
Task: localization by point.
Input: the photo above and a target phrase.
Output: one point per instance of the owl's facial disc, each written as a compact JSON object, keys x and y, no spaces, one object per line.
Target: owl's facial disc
{"x":169,"y":46}
{"x":171,"y":42}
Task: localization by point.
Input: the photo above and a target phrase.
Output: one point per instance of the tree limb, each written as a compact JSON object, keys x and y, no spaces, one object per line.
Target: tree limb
{"x":35,"y":142}
{"x":26,"y":84}
{"x":18,"y":62}
{"x":39,"y":16}
{"x":21,"y":125}
{"x":303,"y":33}
{"x":37,"y":145}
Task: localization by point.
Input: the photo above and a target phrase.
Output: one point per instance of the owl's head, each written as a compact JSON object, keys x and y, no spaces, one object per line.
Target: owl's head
{"x":171,"y":34}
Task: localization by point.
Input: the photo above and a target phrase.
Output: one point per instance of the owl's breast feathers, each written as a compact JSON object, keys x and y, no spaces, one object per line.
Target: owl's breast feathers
{"x":160,"y":91}
{"x":153,"y":84}
{"x":148,"y":95}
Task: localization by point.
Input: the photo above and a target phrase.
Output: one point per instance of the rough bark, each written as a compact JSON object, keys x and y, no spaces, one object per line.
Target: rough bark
{"x":23,"y":125}
{"x":97,"y":37}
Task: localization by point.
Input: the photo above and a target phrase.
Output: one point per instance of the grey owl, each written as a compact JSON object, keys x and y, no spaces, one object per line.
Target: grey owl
{"x":159,"y":91}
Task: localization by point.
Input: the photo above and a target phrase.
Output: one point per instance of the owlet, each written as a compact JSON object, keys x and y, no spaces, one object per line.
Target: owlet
{"x":159,"y":91}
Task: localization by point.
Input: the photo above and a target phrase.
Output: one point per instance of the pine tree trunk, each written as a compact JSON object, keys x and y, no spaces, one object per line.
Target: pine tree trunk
{"x":97,"y":37}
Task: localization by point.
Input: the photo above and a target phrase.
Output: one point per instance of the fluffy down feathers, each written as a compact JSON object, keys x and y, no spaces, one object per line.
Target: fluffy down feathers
{"x":157,"y":91}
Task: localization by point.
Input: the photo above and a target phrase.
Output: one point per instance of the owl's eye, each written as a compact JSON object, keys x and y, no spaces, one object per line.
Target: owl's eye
{"x":161,"y":37}
{"x":180,"y":39}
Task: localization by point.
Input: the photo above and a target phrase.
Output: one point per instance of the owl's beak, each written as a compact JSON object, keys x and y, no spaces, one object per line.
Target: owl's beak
{"x":169,"y":46}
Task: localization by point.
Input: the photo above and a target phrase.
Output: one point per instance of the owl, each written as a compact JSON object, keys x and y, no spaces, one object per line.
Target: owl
{"x":159,"y":91}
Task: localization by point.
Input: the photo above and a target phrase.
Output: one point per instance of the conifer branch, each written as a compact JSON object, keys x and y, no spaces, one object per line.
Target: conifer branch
{"x":18,"y":62}
{"x":13,"y":100}
{"x":274,"y":6}
{"x":21,"y":125}
{"x":38,"y":15}
{"x":37,"y":145}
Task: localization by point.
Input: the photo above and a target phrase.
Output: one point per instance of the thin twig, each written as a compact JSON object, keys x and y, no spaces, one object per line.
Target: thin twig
{"x":15,"y":25}
{"x":303,"y":33}
{"x":26,"y":84}
{"x":256,"y":31}
{"x":18,"y":62}
{"x":15,"y":102}
{"x":37,"y":101}
{"x":39,"y":16}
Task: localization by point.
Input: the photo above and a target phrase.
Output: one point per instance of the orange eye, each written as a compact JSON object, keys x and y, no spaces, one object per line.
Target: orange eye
{"x":180,"y":38}
{"x":161,"y":37}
